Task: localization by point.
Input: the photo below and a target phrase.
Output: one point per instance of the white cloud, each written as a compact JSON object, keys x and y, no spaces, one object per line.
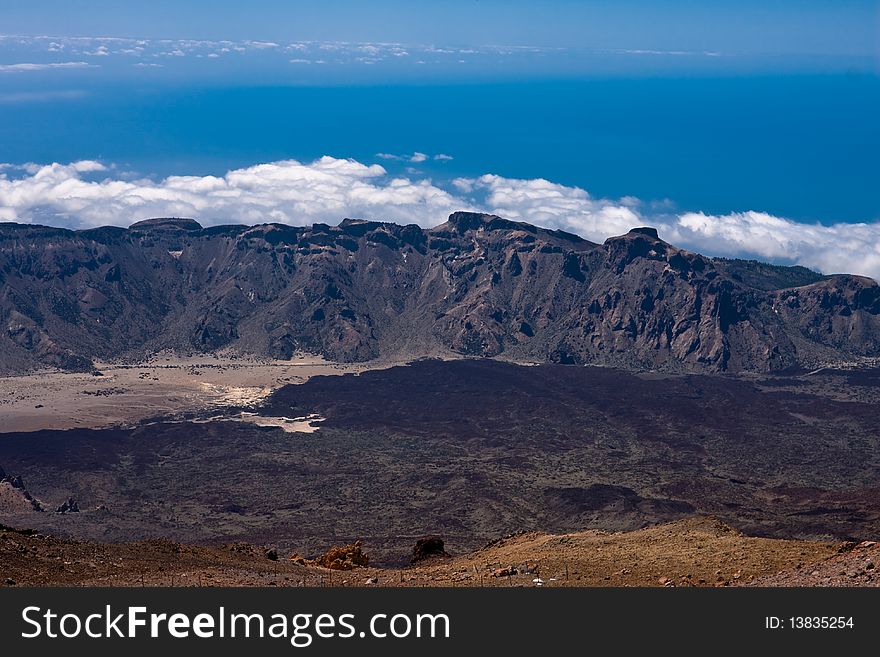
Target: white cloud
{"x":84,"y":194}
{"x":46,"y":66}
{"x":414,"y":158}
{"x":262,"y":45}
{"x":326,"y":190}
{"x":100,"y":51}
{"x":87,"y":166}
{"x":837,"y":248}
{"x":545,"y":203}
{"x":853,"y":248}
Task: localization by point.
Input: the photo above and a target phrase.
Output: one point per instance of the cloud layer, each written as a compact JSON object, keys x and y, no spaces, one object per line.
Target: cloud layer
{"x":42,"y":66}
{"x":142,"y":52}
{"x":87,"y":193}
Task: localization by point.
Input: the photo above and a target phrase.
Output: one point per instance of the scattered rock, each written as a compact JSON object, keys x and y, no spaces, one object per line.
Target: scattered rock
{"x":372,"y":580}
{"x":9,"y":581}
{"x":427,"y":548}
{"x":272,"y":554}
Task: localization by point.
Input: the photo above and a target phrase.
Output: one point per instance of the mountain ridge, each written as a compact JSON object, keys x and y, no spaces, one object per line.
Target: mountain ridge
{"x":476,"y":285}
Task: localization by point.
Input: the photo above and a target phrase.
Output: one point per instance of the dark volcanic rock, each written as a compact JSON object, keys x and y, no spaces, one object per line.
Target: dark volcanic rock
{"x":477,"y":285}
{"x":70,"y":506}
{"x":428,"y":547}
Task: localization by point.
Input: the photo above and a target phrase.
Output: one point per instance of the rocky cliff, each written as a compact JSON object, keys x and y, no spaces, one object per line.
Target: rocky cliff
{"x":477,"y":285}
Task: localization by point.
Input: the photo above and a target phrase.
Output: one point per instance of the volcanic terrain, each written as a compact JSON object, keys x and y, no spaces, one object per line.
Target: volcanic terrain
{"x":477,"y":285}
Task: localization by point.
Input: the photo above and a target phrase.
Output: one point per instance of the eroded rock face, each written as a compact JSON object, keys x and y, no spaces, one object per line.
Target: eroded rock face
{"x":477,"y":285}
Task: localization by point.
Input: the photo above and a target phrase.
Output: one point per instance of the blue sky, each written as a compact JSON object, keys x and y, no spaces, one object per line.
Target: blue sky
{"x":741,"y":128}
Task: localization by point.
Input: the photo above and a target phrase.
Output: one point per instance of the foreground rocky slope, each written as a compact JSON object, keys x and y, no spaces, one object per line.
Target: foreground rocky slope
{"x":693,"y":552}
{"x":476,"y":285}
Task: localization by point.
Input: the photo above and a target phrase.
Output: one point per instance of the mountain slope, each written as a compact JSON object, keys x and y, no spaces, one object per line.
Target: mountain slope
{"x":475,"y":285}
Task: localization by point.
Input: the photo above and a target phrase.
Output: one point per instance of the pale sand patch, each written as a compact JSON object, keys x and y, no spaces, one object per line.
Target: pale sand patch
{"x":234,"y":395}
{"x":305,"y":424}
{"x":165,"y":386}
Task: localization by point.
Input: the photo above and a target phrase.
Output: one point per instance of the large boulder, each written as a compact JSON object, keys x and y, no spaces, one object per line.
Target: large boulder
{"x":429,"y":547}
{"x":343,"y":558}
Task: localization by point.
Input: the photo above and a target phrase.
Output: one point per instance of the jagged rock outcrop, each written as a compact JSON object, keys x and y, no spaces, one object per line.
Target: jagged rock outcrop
{"x":69,"y":506}
{"x":14,"y":495}
{"x":343,"y":558}
{"x":477,"y":285}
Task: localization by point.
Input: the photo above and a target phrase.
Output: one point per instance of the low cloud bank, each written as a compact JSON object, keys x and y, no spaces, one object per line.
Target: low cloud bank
{"x":88,"y":193}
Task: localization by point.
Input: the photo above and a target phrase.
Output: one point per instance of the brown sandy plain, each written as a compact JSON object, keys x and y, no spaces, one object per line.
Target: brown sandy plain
{"x":165,"y":386}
